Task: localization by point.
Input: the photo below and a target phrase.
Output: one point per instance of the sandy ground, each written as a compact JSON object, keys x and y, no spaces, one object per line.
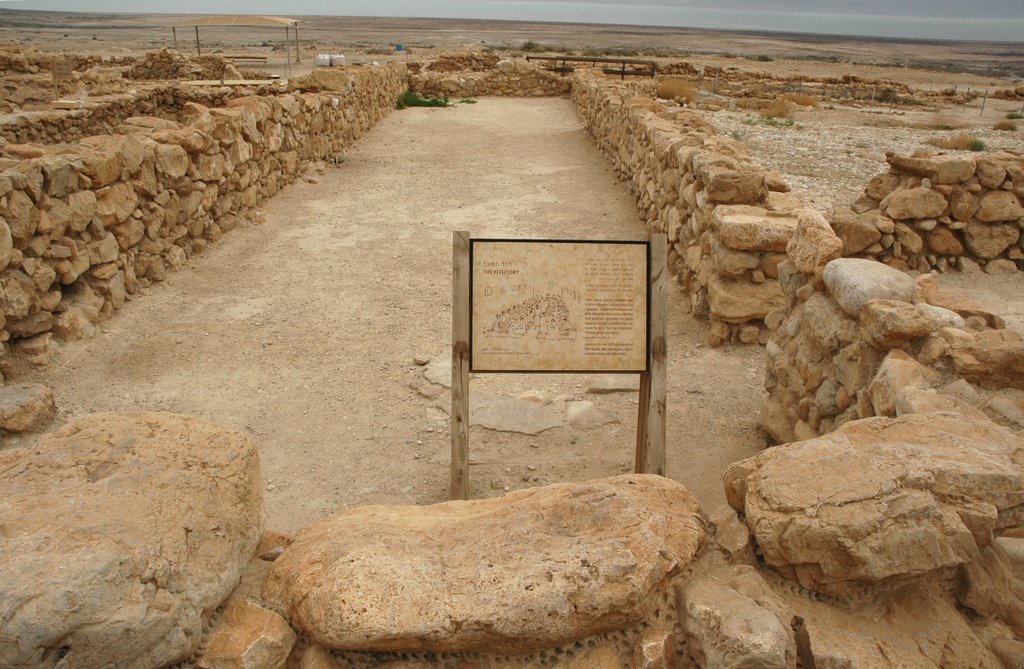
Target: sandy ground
{"x":302,"y":331}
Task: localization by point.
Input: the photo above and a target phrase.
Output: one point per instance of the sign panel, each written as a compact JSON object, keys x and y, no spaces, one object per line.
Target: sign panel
{"x":558,"y":306}
{"x":62,"y":70}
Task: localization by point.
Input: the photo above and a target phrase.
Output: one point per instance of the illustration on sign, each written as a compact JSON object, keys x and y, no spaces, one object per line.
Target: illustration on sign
{"x":558,"y":306}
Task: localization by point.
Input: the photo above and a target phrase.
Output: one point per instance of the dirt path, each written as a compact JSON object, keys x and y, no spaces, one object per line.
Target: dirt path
{"x":302,"y":331}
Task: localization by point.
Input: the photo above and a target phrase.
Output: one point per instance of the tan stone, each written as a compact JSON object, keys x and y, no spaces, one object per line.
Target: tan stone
{"x":858,"y":232}
{"x":248,"y":636}
{"x":940,"y":169}
{"x":853,"y":282}
{"x":964,"y":306}
{"x":990,"y":173}
{"x":871,"y":501}
{"x":943,"y":242}
{"x":915,"y":204}
{"x":655,"y":649}
{"x":752,"y":229}
{"x":116,"y":203}
{"x":999,"y":205}
{"x":890,"y":323}
{"x":144,"y":520}
{"x":733,"y":620}
{"x":897,"y":372}
{"x":739,"y":302}
{"x":26,"y":408}
{"x":963,"y":204}
{"x":530,"y":570}
{"x":989,"y":361}
{"x":989,"y":240}
{"x":813,"y":244}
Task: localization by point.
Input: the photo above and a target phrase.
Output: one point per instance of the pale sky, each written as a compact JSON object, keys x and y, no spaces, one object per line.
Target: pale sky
{"x":1001,"y":20}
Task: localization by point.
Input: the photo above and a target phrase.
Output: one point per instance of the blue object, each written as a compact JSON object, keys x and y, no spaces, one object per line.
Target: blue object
{"x":398,"y":47}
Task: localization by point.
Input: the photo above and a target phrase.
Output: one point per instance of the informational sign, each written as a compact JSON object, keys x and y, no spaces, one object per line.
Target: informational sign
{"x":62,"y":70}
{"x":558,"y":306}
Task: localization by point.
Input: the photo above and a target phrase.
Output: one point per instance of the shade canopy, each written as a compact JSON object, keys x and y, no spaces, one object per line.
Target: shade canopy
{"x":238,"y":20}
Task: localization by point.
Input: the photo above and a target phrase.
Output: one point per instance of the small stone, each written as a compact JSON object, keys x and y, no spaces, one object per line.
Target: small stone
{"x":248,"y":636}
{"x":26,"y":408}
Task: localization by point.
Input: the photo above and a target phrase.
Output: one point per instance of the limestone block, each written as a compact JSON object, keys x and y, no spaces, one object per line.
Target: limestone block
{"x":989,"y":240}
{"x":871,"y":501}
{"x":248,"y":636}
{"x":26,"y":408}
{"x":530,"y":570}
{"x":144,"y":520}
{"x":813,"y":243}
{"x":891,"y":323}
{"x":897,"y":372}
{"x":857,"y":232}
{"x":116,"y":203}
{"x":943,"y":242}
{"x":752,"y":229}
{"x":999,"y":205}
{"x":733,"y":621}
{"x":853,"y":282}
{"x":914,"y":204}
{"x":739,"y":302}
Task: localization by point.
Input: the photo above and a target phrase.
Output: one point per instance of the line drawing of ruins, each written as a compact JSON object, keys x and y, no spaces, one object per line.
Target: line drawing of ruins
{"x":547,"y":316}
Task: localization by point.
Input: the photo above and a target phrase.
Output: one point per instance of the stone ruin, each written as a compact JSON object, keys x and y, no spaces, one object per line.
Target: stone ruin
{"x":886,"y":529}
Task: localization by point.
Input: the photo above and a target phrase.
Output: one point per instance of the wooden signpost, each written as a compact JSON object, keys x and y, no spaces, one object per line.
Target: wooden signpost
{"x":578,"y":306}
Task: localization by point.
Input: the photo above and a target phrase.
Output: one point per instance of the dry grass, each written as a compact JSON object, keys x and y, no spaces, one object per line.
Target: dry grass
{"x":801,"y":99}
{"x":778,"y":108}
{"x":1005,"y":125}
{"x":960,"y":142}
{"x":677,"y":89}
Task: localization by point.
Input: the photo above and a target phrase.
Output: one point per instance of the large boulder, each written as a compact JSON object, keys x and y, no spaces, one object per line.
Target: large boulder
{"x":530,"y":570}
{"x":121,"y":533}
{"x":881,"y":498}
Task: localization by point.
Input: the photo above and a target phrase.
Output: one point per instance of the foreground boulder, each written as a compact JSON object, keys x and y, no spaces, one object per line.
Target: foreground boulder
{"x":880,"y":499}
{"x":120,"y":533}
{"x":527,"y":571}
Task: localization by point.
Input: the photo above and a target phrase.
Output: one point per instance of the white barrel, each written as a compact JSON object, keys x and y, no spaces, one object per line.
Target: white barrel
{"x":337,"y":60}
{"x":323,"y":60}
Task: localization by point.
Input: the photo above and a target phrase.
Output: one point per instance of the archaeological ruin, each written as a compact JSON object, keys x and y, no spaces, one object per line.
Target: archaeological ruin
{"x":884,"y":526}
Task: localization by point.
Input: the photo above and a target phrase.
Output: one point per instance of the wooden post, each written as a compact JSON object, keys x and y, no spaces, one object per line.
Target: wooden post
{"x":460,"y":367}
{"x":298,"y":51}
{"x":287,"y":53}
{"x":174,"y":34}
{"x":199,"y":48}
{"x":983,"y":101}
{"x":650,"y":450}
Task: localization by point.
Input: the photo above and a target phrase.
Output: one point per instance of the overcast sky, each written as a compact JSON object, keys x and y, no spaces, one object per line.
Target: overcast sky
{"x":949,"y":19}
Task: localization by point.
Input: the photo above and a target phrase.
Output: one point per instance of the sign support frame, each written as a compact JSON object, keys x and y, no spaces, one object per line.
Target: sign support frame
{"x":651,"y":418}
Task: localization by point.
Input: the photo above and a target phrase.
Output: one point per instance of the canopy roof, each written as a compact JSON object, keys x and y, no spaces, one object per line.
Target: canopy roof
{"x":238,"y":20}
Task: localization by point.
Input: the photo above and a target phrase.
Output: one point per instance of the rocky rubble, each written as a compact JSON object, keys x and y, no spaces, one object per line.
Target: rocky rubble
{"x":940,"y":212}
{"x":513,"y":78}
{"x":857,"y":338}
{"x":170,"y":64}
{"x":83,"y":225}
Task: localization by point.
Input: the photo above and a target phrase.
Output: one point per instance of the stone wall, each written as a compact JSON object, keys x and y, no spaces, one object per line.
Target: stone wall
{"x":103,"y":115}
{"x":84,"y":224}
{"x":510,"y":78}
{"x":860,"y":339}
{"x":940,"y":212}
{"x":728,"y":220}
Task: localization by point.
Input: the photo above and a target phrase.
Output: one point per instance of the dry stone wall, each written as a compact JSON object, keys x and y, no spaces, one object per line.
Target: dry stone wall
{"x":859,"y":338}
{"x":83,"y":225}
{"x":728,"y":220}
{"x":510,"y":78}
{"x":940,"y":212}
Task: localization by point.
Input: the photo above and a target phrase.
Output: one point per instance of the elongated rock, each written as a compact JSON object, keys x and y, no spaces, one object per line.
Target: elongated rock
{"x":530,"y":570}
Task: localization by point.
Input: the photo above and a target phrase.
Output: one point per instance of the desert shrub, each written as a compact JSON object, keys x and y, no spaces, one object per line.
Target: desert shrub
{"x":1005,"y":125}
{"x":960,"y":142}
{"x":1015,"y":116}
{"x":410,"y":99}
{"x":674,"y":89}
{"x":801,"y":99}
{"x":778,"y":108}
{"x":532,"y":47}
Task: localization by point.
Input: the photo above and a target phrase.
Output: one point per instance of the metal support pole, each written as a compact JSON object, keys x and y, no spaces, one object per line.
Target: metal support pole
{"x":174,"y":33}
{"x":199,"y":49}
{"x":983,"y":101}
{"x":287,"y":53}
{"x":298,"y":58}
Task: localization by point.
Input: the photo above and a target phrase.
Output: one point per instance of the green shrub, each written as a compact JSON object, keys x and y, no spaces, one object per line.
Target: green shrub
{"x":410,"y":99}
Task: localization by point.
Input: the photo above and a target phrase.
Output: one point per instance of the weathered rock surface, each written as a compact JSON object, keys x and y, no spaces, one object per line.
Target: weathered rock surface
{"x":24,"y":408}
{"x":852,"y":282}
{"x":736,"y":302}
{"x":248,"y":636}
{"x":513,"y":415}
{"x":121,"y":532}
{"x":527,"y":571}
{"x":881,"y":498}
{"x":733,"y":620}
